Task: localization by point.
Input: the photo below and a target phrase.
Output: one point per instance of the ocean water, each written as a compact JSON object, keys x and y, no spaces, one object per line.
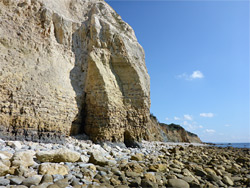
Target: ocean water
{"x":234,"y":145}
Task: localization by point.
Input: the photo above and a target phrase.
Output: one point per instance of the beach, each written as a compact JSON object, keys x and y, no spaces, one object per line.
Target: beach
{"x":81,"y":163}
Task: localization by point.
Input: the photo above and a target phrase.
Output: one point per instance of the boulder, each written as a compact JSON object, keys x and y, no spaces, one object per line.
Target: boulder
{"x":178,"y":183}
{"x":52,"y":168}
{"x":98,"y":158}
{"x":23,"y":158}
{"x":34,"y":180}
{"x":57,"y":156}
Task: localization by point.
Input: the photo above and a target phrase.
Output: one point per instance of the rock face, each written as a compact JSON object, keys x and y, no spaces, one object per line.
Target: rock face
{"x":170,"y":133}
{"x":70,"y":66}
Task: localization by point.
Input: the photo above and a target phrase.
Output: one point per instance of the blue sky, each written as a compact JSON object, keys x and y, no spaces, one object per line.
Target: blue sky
{"x":197,"y":55}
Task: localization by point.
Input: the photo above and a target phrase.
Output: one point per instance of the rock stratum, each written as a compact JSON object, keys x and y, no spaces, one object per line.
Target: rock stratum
{"x":170,"y":132}
{"x":70,"y":66}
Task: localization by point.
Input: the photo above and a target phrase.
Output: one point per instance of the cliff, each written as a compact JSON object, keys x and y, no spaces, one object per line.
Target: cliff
{"x":70,"y":66}
{"x":171,"y":132}
{"x":74,"y":66}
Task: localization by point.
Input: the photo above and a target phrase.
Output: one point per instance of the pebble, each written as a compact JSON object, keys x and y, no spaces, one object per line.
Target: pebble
{"x":80,"y":163}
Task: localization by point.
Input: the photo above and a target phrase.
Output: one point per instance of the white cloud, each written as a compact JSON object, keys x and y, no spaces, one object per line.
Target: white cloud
{"x":188,"y":117}
{"x":195,"y":75}
{"x":191,"y":126}
{"x":176,"y":118}
{"x":227,"y":125}
{"x":208,"y":115}
{"x":166,"y":118}
{"x":209,"y":131}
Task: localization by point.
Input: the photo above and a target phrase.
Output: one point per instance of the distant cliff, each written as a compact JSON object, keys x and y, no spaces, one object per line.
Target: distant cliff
{"x":171,"y":132}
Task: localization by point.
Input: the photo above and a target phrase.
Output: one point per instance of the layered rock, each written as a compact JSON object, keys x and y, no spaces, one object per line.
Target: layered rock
{"x":170,"y":132}
{"x":67,"y":67}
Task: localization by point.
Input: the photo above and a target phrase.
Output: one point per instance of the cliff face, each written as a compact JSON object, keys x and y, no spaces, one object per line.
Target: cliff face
{"x":68,"y":66}
{"x":170,"y":132}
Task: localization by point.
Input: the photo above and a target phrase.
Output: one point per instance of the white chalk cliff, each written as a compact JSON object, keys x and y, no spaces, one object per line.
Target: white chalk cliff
{"x":70,"y":66}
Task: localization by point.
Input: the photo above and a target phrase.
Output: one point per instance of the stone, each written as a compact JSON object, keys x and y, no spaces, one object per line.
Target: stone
{"x":158,"y":167}
{"x":34,"y":180}
{"x":200,"y":172}
{"x":52,"y":168}
{"x":4,"y":182}
{"x":84,"y":158}
{"x":178,"y":183}
{"x":47,"y":178}
{"x":14,"y":144}
{"x":227,"y":181}
{"x":57,"y":156}
{"x":23,"y":158}
{"x":57,"y":177}
{"x":132,"y":174}
{"x":43,"y":185}
{"x":53,"y":186}
{"x":3,"y":169}
{"x":150,"y":177}
{"x":62,"y":182}
{"x":16,"y":180}
{"x":135,"y":182}
{"x":97,"y":158}
{"x":132,"y":167}
{"x":137,"y":157}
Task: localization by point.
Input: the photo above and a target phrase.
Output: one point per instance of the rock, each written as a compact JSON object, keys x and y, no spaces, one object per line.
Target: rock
{"x":3,"y":169}
{"x":227,"y":181}
{"x":52,"y":168}
{"x":242,"y":159}
{"x":84,"y":158}
{"x":209,"y":171}
{"x":4,"y":182}
{"x":16,"y":180}
{"x":137,"y":157}
{"x":98,"y":159}
{"x":132,"y":174}
{"x":43,"y":185}
{"x":47,"y":178}
{"x":62,"y":182}
{"x":150,"y":177}
{"x":23,"y":158}
{"x":200,"y":172}
{"x":149,"y":180}
{"x":115,"y":181}
{"x":57,"y":177}
{"x":5,"y":157}
{"x":14,"y":144}
{"x":132,"y":167}
{"x":57,"y":156}
{"x":158,"y":167}
{"x":53,"y":186}
{"x":35,"y":180}
{"x":102,"y":72}
{"x":135,"y":182}
{"x":178,"y":183}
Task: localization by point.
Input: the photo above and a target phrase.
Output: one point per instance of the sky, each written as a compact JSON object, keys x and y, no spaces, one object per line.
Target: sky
{"x":197,"y":56}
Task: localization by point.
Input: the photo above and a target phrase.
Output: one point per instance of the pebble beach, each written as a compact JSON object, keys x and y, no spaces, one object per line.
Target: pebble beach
{"x":81,"y":163}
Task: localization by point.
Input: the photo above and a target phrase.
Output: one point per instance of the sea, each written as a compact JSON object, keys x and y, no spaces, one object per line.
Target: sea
{"x":234,"y":145}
